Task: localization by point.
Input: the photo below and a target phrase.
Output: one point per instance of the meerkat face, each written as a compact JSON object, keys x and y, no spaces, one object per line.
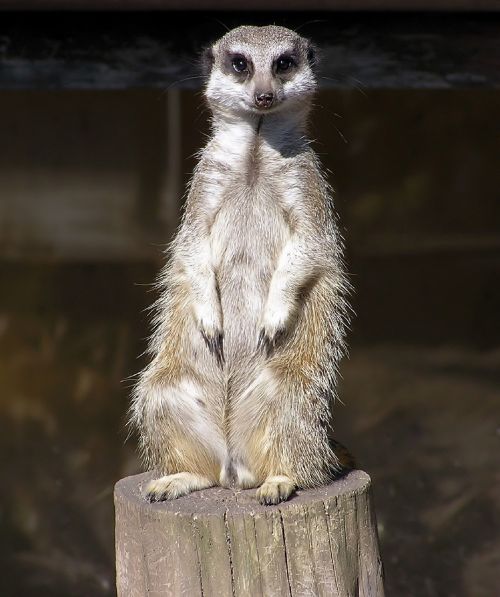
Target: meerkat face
{"x":259,"y":70}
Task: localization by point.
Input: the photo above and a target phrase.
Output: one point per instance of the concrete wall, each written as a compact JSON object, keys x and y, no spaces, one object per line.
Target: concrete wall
{"x":86,"y":176}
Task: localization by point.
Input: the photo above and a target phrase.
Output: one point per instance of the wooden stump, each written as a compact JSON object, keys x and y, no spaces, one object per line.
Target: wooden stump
{"x":218,"y":542}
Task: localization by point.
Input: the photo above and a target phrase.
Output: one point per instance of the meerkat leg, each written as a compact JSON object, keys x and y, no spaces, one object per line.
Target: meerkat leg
{"x":275,"y":489}
{"x":284,"y":442}
{"x":173,"y":486}
{"x":180,"y":438}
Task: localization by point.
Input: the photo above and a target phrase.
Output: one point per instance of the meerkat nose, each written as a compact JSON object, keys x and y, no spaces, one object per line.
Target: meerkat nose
{"x":264,"y":100}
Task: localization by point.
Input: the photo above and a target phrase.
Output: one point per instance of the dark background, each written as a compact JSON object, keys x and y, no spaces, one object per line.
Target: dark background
{"x":90,"y":185}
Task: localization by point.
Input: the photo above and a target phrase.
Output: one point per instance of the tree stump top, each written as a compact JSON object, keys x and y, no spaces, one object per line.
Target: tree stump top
{"x":217,"y":500}
{"x":222,"y":543}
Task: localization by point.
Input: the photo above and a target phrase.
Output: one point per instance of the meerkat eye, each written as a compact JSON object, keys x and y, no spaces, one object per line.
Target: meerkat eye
{"x":240,"y":64}
{"x":283,"y":64}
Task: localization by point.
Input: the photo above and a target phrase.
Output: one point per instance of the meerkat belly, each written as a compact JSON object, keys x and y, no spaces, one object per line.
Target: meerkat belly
{"x":247,"y":237}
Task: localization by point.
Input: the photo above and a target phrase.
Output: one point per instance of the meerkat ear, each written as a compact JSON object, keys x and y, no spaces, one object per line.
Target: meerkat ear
{"x":207,"y":61}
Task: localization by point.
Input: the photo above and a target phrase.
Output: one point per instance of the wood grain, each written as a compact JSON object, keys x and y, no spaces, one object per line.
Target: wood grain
{"x":218,"y":542}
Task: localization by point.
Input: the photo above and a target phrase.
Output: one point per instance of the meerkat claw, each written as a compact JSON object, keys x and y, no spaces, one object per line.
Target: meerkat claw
{"x":151,"y":497}
{"x":219,"y":350}
{"x":268,"y":343}
{"x":215,"y":346}
{"x":265,"y":343}
{"x":262,"y":341}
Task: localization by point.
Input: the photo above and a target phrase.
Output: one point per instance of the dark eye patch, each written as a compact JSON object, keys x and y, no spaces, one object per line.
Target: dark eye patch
{"x":237,"y":64}
{"x":285,"y":63}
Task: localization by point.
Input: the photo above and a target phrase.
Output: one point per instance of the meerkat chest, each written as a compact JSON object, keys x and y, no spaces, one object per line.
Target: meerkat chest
{"x":249,"y":229}
{"x":252,"y":218}
{"x":250,"y":224}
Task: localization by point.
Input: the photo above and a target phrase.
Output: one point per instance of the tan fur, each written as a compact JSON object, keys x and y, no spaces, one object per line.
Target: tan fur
{"x":250,"y":324}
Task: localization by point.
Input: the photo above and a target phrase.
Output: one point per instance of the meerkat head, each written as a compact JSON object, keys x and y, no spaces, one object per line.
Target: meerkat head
{"x":260,"y":70}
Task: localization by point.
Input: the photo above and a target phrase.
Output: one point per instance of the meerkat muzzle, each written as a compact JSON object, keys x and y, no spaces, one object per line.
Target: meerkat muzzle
{"x":264,"y":100}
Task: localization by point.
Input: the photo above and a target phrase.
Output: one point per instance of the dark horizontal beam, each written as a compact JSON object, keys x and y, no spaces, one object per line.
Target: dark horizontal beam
{"x":330,"y":5}
{"x":130,"y":50}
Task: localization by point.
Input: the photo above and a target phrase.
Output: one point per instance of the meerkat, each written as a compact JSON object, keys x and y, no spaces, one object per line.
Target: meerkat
{"x":249,"y":327}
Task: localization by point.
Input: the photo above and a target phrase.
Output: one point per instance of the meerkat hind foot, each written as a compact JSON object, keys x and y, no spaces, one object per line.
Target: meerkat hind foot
{"x":173,"y":486}
{"x":275,"y":489}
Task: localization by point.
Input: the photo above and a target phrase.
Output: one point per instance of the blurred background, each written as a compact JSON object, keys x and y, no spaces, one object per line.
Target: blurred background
{"x":91,"y":185}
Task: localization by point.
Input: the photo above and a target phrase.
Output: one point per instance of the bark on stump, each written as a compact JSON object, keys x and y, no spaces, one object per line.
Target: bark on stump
{"x":218,"y":542}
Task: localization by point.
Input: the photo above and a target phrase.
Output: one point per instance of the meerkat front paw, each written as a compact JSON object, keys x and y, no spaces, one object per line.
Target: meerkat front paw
{"x":274,"y":326}
{"x":171,"y":487}
{"x":275,"y":490}
{"x":210,"y":326}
